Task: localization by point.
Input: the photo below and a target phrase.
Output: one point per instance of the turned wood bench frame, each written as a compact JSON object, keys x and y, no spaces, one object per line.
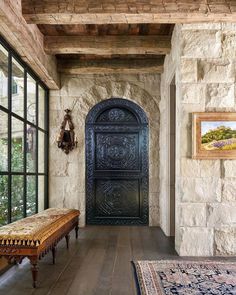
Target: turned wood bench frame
{"x":15,"y":253}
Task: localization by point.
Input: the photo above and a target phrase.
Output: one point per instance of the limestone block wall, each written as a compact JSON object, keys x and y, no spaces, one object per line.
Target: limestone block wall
{"x":80,"y":94}
{"x":203,"y":61}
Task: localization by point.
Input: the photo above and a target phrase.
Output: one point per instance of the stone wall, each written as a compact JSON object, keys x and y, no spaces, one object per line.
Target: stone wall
{"x":81,"y":93}
{"x":203,"y":61}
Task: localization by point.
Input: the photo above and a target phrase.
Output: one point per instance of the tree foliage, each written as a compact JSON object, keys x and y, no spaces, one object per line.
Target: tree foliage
{"x":17,"y":185}
{"x":220,"y":133}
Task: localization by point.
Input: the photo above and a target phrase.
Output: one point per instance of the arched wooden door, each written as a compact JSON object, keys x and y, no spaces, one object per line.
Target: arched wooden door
{"x":116,"y":164}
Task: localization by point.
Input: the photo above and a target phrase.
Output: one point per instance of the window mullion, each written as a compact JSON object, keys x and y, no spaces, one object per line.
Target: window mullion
{"x":46,"y":151}
{"x":25,"y":146}
{"x":37,"y":137}
{"x":9,"y":133}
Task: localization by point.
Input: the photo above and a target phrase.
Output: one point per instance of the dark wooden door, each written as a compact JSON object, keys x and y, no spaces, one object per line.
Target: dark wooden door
{"x":116,"y":163}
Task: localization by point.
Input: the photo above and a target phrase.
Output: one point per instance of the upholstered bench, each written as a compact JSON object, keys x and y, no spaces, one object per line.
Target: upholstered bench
{"x":34,"y":236}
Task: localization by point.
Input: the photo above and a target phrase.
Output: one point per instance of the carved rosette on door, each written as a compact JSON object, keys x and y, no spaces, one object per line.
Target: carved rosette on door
{"x":117,"y":163}
{"x":117,"y":151}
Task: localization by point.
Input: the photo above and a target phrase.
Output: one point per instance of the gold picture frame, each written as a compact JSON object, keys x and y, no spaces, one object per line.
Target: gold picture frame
{"x":214,"y":135}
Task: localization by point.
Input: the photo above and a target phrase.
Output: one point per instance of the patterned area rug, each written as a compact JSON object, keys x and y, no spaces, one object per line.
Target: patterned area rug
{"x":185,"y":277}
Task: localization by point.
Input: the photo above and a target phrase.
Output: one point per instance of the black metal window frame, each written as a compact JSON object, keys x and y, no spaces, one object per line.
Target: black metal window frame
{"x":27,"y":70}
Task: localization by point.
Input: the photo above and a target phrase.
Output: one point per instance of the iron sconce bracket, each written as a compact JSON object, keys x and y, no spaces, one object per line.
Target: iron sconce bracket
{"x":67,"y":140}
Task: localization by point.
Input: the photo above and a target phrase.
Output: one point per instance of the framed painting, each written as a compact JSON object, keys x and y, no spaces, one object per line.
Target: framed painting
{"x":214,"y":136}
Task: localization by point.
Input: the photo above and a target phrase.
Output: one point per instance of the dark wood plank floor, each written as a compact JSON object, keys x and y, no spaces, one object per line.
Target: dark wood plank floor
{"x":98,"y":263}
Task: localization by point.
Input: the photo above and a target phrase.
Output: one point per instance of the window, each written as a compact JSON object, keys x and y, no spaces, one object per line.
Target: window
{"x":14,"y":87}
{"x":23,"y":139}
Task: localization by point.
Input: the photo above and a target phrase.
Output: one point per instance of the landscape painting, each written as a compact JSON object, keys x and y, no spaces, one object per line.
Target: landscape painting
{"x":219,"y":135}
{"x":214,"y":135}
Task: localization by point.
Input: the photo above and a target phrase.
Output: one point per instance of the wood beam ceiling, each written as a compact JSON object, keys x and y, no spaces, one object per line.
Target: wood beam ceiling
{"x":105,"y":45}
{"x":128,"y":11}
{"x":111,"y":66}
{"x":27,"y":40}
{"x":106,"y":29}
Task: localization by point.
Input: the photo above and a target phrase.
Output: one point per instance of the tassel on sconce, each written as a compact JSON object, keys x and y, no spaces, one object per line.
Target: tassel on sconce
{"x":67,"y":140}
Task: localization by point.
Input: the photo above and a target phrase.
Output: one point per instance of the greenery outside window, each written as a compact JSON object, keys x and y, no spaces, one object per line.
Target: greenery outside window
{"x":23,"y":139}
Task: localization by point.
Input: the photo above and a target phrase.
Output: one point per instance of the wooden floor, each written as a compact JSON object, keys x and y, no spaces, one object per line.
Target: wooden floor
{"x":98,"y":263}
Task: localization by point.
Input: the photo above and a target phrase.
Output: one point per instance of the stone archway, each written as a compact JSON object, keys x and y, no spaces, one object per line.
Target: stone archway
{"x":81,"y":101}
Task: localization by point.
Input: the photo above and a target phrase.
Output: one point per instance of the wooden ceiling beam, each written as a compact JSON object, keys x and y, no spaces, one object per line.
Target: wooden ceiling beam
{"x":27,"y":40}
{"x":108,"y":45}
{"x":111,"y":66}
{"x":129,"y":11}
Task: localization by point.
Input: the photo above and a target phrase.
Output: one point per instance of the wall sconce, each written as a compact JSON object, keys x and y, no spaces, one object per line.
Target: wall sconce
{"x":67,"y":140}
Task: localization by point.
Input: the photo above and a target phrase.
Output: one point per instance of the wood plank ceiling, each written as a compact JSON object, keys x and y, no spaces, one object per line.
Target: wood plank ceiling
{"x":127,"y":11}
{"x":91,"y":36}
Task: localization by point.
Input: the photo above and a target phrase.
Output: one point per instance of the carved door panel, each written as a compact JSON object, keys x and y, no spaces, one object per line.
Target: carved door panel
{"x":117,"y":164}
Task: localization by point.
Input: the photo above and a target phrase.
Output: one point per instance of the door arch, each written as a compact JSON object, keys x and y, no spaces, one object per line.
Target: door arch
{"x":117,"y":163}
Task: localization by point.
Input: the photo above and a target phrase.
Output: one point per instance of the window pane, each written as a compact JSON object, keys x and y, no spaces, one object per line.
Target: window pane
{"x":17,"y":201}
{"x":31,"y":148}
{"x":41,"y":165}
{"x":31,"y":195}
{"x":3,"y":77}
{"x":41,"y":113}
{"x":3,"y":199}
{"x":17,"y":149}
{"x":3,"y":141}
{"x":41,"y":180}
{"x":31,"y":99}
{"x":17,"y":88}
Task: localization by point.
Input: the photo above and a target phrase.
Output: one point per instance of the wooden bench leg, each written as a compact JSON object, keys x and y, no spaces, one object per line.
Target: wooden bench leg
{"x":67,"y":241}
{"x":54,"y":254}
{"x":34,"y":269}
{"x":76,"y":231}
